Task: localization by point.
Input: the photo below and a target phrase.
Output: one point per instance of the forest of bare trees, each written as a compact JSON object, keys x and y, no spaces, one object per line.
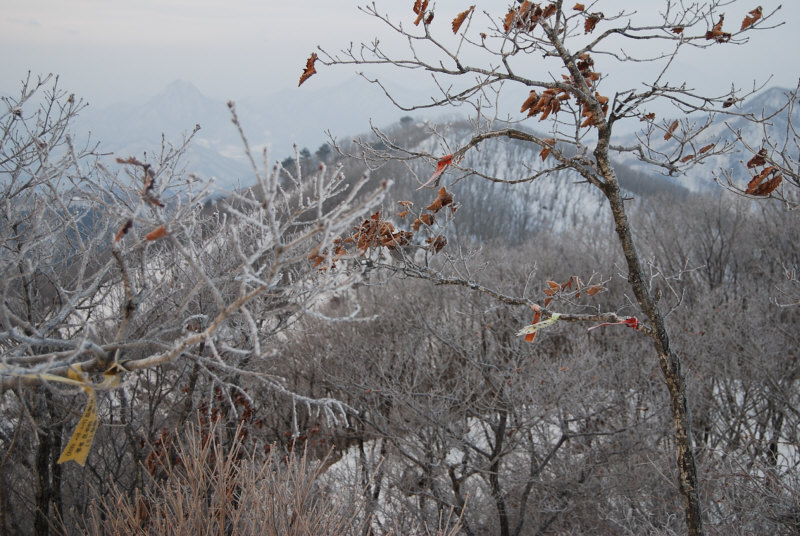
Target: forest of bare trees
{"x":428,"y":332}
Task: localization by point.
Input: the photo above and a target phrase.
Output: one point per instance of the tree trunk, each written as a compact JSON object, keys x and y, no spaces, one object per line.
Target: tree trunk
{"x":494,"y":474}
{"x":668,"y":360}
{"x":44,"y":454}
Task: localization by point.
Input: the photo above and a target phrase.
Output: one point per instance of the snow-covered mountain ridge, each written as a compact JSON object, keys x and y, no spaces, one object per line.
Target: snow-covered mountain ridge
{"x":303,"y":117}
{"x":768,"y":105}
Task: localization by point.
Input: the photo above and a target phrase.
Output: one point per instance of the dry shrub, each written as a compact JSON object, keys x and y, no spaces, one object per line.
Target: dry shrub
{"x":210,"y":489}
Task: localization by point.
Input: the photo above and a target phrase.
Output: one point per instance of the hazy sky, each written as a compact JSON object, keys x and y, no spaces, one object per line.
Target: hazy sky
{"x":110,"y":50}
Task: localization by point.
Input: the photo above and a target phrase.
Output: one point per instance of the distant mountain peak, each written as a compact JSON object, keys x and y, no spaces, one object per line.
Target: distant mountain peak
{"x":181,"y":91}
{"x":770,"y":99}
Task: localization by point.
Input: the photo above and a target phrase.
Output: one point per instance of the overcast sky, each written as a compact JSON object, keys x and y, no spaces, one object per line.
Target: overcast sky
{"x":110,"y":50}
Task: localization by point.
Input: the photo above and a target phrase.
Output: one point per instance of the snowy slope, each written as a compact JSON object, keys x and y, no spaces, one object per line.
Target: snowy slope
{"x":554,"y":202}
{"x":725,"y":127}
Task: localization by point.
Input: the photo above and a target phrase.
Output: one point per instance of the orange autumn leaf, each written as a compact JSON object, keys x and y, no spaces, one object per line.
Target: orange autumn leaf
{"x":402,"y":214}
{"x":751,"y":18}
{"x":591,"y":22}
{"x":552,"y":289}
{"x":591,"y":291}
{"x":429,"y":18}
{"x":537,"y":316}
{"x":687,"y":158}
{"x":123,"y":230}
{"x":319,"y":259}
{"x":155,"y":234}
{"x":677,"y":30}
{"x":441,"y":165}
{"x":130,"y":160}
{"x":578,"y":7}
{"x":460,"y":18}
{"x":716,"y":32}
{"x":603,"y":101}
{"x":309,"y":70}
{"x":530,"y":337}
{"x":648,"y":117}
{"x":525,"y":9}
{"x":547,"y":147}
{"x":706,"y":148}
{"x":756,"y":181}
{"x":671,"y":129}
{"x":548,"y":11}
{"x":759,"y":159}
{"x":768,"y":187}
{"x":549,"y":101}
{"x":509,"y":20}
{"x":149,"y":187}
{"x":427,"y":219}
{"x":445,"y":160}
{"x":530,"y":102}
{"x":438,"y":243}
{"x":153,"y":200}
{"x":443,"y":198}
{"x":419,"y":8}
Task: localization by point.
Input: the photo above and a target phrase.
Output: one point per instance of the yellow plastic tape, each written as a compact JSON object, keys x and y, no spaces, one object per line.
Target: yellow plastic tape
{"x":533,"y":328}
{"x":80,"y":443}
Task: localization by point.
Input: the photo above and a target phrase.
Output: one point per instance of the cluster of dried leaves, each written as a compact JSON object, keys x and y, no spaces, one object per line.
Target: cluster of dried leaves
{"x":703,"y":149}
{"x":720,"y":36}
{"x":669,"y":133}
{"x":572,"y":288}
{"x":420,"y":9}
{"x":377,"y":232}
{"x":591,"y":18}
{"x":716,"y":32}
{"x":550,"y":100}
{"x":527,"y":16}
{"x":766,"y":180}
{"x":148,"y":194}
{"x":585,"y":64}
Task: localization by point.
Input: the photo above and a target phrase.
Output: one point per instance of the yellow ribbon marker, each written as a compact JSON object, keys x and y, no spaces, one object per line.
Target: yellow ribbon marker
{"x":80,"y":443}
{"x":533,"y":328}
